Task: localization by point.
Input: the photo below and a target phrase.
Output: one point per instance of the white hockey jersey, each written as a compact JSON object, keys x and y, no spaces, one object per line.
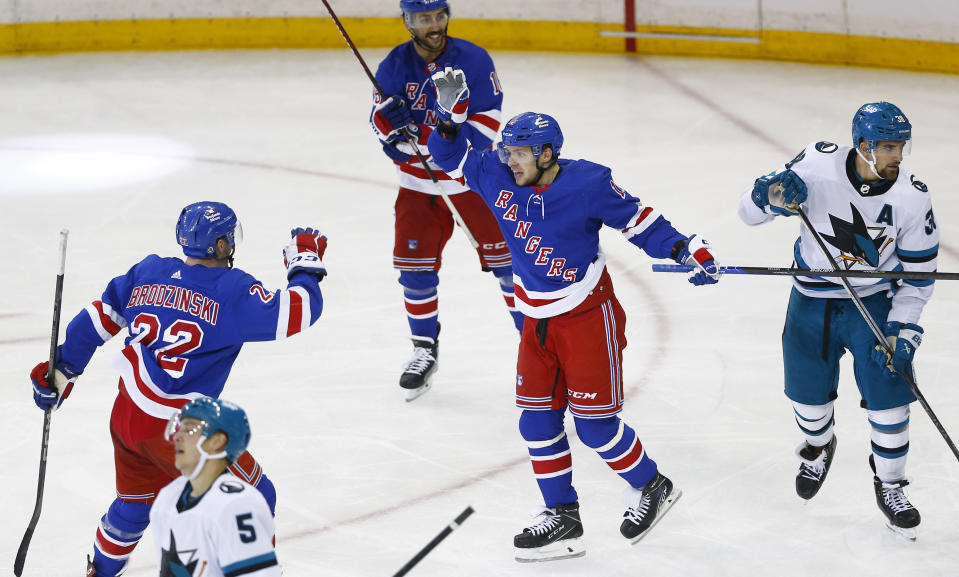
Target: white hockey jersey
{"x":227,"y":532}
{"x":887,"y":226}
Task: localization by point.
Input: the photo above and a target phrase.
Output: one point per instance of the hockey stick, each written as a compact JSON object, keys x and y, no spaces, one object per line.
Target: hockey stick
{"x":409,"y":136}
{"x":54,"y":336}
{"x":821,"y":272}
{"x":436,"y":541}
{"x":906,"y":375}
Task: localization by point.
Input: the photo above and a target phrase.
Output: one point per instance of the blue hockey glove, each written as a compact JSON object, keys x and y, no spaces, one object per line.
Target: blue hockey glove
{"x":390,"y":117}
{"x":392,"y":150}
{"x":695,"y":252}
{"x":903,"y":339}
{"x":452,"y":95}
{"x":51,"y":397}
{"x":782,"y":193}
{"x":305,"y":253}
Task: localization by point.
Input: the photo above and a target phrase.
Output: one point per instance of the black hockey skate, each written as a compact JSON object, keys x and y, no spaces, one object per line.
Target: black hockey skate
{"x":555,"y":534}
{"x":901,"y":517}
{"x":91,"y":569}
{"x":814,"y":467}
{"x":417,"y":374}
{"x":646,"y":506}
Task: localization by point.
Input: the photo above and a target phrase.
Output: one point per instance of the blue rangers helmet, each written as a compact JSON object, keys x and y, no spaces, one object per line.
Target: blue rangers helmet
{"x":413,"y":6}
{"x":877,"y":121}
{"x":218,"y":415}
{"x":201,"y":224}
{"x":534,"y":130}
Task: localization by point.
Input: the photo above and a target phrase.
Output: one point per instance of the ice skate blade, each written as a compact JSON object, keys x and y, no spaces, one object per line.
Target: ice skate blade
{"x":413,"y":394}
{"x":667,"y":505}
{"x":563,"y":549}
{"x":908,"y":534}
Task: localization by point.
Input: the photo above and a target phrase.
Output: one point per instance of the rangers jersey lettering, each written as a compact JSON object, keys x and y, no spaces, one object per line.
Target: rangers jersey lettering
{"x":553,"y":232}
{"x":404,"y":72}
{"x":185,"y":326}
{"x":883,"y":226}
{"x":226,"y":532}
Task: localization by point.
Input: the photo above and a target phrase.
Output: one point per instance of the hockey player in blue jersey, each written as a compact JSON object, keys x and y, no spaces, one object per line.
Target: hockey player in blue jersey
{"x":872,"y":215}
{"x":423,"y":222}
{"x":570,"y":355}
{"x":225,"y":532}
{"x":185,"y":323}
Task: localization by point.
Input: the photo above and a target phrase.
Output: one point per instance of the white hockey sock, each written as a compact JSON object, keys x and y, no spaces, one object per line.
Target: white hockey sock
{"x":890,"y":442}
{"x":816,"y":422}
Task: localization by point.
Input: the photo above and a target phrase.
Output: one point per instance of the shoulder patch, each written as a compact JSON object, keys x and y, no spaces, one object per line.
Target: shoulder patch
{"x":231,"y":486}
{"x":826,"y":147}
{"x":918,"y":184}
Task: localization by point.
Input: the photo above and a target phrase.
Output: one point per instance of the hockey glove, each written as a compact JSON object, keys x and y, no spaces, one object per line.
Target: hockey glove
{"x":782,"y":193}
{"x":49,"y":397}
{"x":390,"y":117}
{"x":305,"y":253}
{"x":392,"y":150}
{"x":695,"y":252}
{"x":452,"y":95}
{"x":903,"y":340}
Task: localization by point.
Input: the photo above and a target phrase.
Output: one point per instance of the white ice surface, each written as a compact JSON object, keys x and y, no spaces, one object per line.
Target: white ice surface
{"x":111,"y":146}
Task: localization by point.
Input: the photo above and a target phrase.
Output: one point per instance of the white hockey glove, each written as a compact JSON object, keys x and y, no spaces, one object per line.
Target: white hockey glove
{"x":452,"y":95}
{"x":305,"y":253}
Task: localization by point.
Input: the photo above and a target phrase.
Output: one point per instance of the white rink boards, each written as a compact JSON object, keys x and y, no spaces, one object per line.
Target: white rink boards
{"x":111,"y":146}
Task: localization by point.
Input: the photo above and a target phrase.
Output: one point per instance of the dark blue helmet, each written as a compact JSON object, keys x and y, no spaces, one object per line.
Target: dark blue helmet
{"x":413,"y":6}
{"x":220,"y":415}
{"x":201,"y":224}
{"x":880,"y":121}
{"x":534,"y":130}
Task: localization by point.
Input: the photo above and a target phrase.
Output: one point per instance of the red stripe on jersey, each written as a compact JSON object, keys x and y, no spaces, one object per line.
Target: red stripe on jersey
{"x":487,"y":121}
{"x":555,"y":465}
{"x":642,"y":217}
{"x":105,"y":320}
{"x":418,"y":171}
{"x":111,"y":548}
{"x":629,"y":459}
{"x":295,"y":324}
{"x":130,"y":354}
{"x":426,"y":308}
{"x":521,"y":295}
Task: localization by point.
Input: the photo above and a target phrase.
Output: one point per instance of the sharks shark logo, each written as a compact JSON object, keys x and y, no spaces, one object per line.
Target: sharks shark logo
{"x":172,"y":566}
{"x":857,"y":243}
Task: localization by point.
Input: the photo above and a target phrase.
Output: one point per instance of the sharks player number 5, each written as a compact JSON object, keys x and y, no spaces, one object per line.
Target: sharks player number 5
{"x":873,"y":215}
{"x":208,"y":523}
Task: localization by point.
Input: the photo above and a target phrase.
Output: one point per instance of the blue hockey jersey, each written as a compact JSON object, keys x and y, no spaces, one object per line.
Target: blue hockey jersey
{"x":404,"y":72}
{"x":553,"y":232}
{"x":185,"y":326}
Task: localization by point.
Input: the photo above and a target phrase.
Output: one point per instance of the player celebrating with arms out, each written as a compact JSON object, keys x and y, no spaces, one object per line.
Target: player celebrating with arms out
{"x":186,"y":321}
{"x":872,"y":215}
{"x":225,"y":532}
{"x":570,"y":355}
{"x":423,"y":222}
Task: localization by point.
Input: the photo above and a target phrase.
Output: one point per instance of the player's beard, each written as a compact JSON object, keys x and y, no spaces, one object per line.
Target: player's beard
{"x":890,"y":172}
{"x":436,"y":44}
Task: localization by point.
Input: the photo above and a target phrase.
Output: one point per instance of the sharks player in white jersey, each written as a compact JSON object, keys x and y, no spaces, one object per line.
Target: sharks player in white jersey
{"x":872,"y":215}
{"x":208,"y":522}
